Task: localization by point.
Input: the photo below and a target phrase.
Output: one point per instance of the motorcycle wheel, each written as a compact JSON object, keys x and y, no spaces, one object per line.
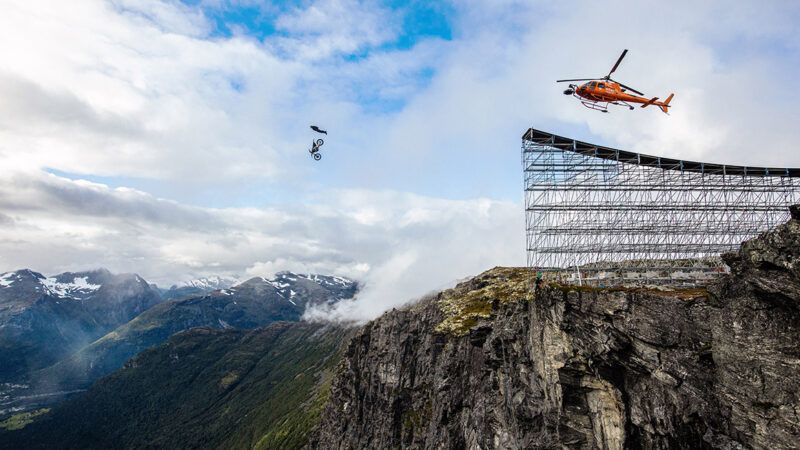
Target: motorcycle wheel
{"x":317,"y":156}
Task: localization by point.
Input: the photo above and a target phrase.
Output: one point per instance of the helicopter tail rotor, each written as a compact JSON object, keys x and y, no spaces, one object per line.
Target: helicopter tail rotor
{"x":665,"y":105}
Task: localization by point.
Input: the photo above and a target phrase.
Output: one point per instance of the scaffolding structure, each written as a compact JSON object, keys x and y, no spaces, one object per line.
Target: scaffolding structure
{"x":601,"y":216}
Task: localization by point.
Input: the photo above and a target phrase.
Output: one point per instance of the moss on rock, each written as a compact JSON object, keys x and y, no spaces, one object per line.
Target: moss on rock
{"x":469,"y":302}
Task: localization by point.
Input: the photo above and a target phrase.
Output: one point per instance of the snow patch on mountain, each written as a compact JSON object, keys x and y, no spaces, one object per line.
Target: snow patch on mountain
{"x":326,"y":280}
{"x":279,"y":285}
{"x":8,"y":278}
{"x":291,"y":286}
{"x":62,"y":286}
{"x":79,"y":288}
{"x":210,"y":283}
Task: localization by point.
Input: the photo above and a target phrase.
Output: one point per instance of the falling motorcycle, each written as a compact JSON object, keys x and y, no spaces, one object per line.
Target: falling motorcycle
{"x":314,"y":150}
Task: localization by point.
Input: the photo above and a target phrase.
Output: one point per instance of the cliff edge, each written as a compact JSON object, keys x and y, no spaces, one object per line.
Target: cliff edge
{"x":490,"y":365}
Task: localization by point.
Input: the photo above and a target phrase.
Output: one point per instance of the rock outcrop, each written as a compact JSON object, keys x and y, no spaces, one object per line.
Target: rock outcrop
{"x":488,"y":365}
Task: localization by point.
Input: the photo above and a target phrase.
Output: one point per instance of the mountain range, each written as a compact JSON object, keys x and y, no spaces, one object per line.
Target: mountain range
{"x":198,"y":286}
{"x":43,"y":320}
{"x":255,"y":303}
{"x":59,"y":334}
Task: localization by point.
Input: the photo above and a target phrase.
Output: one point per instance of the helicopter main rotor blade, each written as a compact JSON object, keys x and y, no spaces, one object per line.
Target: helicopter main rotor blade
{"x":576,"y":79}
{"x":628,"y":88}
{"x":617,"y":64}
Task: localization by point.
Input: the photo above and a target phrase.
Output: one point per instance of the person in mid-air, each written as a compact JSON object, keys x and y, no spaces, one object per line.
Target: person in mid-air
{"x":317,"y":143}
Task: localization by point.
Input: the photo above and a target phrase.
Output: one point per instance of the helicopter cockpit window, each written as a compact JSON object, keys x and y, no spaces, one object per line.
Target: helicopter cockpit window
{"x":601,"y":85}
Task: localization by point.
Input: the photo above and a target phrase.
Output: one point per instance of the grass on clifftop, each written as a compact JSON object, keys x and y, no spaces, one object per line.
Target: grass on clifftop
{"x":468,"y":302}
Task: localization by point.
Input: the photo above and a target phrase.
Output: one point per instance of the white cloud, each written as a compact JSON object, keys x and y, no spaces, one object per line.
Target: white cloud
{"x":414,"y":243}
{"x":135,"y":89}
{"x":329,"y":27}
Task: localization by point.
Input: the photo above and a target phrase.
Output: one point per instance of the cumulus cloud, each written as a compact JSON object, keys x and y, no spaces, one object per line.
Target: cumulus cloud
{"x":133,"y":89}
{"x":329,"y":27}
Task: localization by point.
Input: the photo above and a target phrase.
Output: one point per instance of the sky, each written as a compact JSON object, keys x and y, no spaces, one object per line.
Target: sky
{"x":169,"y":138}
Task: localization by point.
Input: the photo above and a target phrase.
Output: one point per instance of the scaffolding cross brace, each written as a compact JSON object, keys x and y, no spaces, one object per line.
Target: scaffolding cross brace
{"x":602,"y":216}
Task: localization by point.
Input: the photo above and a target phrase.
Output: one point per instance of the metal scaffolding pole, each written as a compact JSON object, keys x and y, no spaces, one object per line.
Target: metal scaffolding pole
{"x":601,"y":216}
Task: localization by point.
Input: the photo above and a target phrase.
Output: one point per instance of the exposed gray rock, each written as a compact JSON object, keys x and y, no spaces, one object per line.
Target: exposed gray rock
{"x":482,"y":366}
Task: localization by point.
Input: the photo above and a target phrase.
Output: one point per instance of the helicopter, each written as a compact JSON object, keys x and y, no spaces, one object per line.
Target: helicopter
{"x":598,"y":93}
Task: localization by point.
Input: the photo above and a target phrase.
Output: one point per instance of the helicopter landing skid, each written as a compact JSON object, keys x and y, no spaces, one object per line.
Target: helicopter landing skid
{"x":603,"y":106}
{"x":596,"y":106}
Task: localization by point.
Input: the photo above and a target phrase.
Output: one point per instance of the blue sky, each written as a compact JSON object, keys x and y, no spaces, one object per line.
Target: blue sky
{"x":170,"y":138}
{"x":419,"y":19}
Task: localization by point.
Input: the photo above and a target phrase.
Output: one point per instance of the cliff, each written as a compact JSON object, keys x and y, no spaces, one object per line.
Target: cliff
{"x":489,"y":365}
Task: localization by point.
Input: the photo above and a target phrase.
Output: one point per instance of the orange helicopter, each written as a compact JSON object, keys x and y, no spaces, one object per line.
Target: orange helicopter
{"x":597,"y":94}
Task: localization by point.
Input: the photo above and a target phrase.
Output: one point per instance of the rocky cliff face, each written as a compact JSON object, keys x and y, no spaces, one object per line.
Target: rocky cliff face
{"x":488,"y":365}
